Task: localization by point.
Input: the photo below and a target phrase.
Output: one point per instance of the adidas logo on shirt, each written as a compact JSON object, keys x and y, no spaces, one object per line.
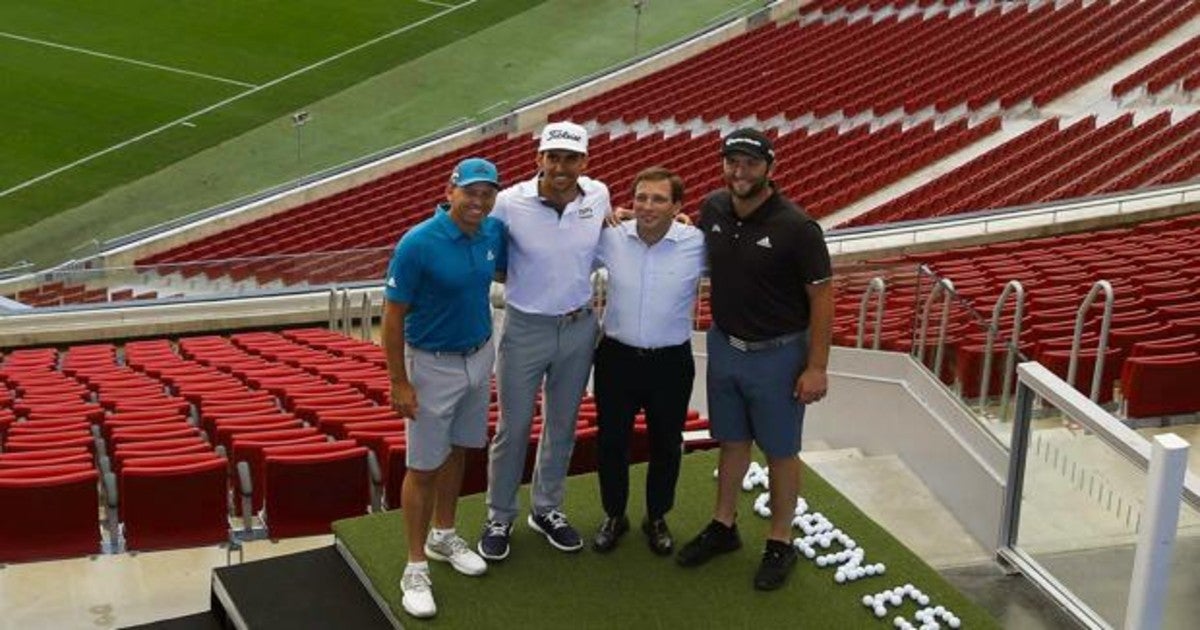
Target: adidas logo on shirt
{"x":491,"y":255}
{"x":716,"y":228}
{"x":764,"y":242}
{"x":391,"y":282}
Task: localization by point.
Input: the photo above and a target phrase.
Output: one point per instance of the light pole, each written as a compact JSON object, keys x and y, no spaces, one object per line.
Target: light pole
{"x":299,"y":119}
{"x":637,"y":22}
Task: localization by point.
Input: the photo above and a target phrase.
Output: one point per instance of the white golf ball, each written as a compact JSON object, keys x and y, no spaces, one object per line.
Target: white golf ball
{"x":899,"y":621}
{"x":923,"y":599}
{"x":954,"y":622}
{"x":850,"y":543}
{"x":839,"y":577}
{"x":868,"y":601}
{"x":821,"y":561}
{"x":880,"y":612}
{"x":895,"y":600}
{"x":908,"y":589}
{"x":810,"y":553}
{"x":869,"y":569}
{"x":879,"y":568}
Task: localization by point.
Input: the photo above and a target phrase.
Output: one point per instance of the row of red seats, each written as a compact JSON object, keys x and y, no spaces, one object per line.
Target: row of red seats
{"x":1047,"y":164}
{"x":865,"y":65}
{"x":1178,"y":65}
{"x":59,"y":293}
{"x":826,"y":170}
{"x":1157,"y":311}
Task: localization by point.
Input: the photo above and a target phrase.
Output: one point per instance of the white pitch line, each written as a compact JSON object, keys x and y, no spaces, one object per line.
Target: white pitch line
{"x":257,"y":88}
{"x":136,"y":62}
{"x":436,"y":4}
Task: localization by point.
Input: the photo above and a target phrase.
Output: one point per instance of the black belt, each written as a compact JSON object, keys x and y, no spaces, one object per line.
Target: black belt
{"x":646,"y":352}
{"x":766,"y":344}
{"x":459,"y":353}
{"x":579,"y":313}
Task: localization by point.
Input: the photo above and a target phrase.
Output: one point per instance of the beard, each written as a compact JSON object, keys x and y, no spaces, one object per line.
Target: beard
{"x":754,"y":190}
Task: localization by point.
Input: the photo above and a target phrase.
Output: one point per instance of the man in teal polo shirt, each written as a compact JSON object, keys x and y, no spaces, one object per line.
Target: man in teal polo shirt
{"x":437,"y":330}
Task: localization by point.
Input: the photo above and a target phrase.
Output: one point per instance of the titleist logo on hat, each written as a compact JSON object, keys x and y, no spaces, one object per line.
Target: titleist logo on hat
{"x":564,"y":136}
{"x":752,"y":141}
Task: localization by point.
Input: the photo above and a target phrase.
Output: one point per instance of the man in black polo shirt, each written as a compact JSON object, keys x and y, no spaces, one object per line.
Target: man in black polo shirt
{"x":772,"y":305}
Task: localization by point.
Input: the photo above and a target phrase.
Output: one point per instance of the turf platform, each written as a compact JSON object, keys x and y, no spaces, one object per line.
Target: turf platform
{"x":630,"y":587}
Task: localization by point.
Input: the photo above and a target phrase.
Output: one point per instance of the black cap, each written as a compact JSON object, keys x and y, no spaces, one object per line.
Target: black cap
{"x":751,"y":142}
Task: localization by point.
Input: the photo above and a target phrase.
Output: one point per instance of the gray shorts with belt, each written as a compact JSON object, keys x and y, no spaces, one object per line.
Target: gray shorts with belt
{"x":453,"y":390}
{"x":533,"y":349}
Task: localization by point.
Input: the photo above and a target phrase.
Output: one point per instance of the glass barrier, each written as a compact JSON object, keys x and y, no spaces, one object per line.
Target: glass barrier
{"x":1081,"y":510}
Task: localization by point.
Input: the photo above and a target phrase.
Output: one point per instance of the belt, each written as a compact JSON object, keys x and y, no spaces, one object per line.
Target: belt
{"x":570,"y":316}
{"x":766,"y":344}
{"x":459,"y":353}
{"x":646,"y":352}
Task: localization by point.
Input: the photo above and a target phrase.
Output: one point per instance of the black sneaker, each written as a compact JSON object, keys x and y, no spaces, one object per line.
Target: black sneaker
{"x":777,"y":562}
{"x":610,"y":532}
{"x":554,"y":526}
{"x":493,"y":542}
{"x":716,"y":538}
{"x":658,"y":536}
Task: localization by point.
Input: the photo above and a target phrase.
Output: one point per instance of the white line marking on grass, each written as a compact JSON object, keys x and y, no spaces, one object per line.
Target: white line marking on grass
{"x":236,"y":97}
{"x":436,"y":4}
{"x":136,"y":62}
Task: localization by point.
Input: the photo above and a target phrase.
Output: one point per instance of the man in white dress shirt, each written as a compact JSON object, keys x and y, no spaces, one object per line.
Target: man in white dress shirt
{"x":554,"y":223}
{"x":644,"y":361}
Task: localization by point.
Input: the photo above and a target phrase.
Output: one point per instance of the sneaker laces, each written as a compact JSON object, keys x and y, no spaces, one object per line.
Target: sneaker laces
{"x":457,"y":545}
{"x":496,"y":528}
{"x":416,"y":581}
{"x":557,"y":519}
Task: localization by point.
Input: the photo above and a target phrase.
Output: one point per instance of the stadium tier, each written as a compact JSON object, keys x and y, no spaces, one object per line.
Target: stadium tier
{"x":827,"y":169}
{"x":277,"y":425}
{"x":1048,"y":164}
{"x":1001,"y":52}
{"x":1153,"y":342}
{"x":59,"y":293}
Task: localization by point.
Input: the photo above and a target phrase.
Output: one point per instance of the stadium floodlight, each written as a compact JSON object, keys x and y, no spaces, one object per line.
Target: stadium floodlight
{"x":637,"y":22}
{"x":299,"y":119}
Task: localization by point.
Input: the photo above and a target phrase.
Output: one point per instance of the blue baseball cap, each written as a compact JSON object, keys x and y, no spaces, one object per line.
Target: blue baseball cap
{"x":475,"y":170}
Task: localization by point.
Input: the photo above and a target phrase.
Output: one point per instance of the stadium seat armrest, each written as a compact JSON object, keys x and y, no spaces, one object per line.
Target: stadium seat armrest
{"x":376,"y":473}
{"x":246,"y":488}
{"x":110,"y":492}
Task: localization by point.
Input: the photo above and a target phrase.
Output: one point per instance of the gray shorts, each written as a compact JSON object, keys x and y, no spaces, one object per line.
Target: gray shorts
{"x":750,"y":394}
{"x":452,"y":403}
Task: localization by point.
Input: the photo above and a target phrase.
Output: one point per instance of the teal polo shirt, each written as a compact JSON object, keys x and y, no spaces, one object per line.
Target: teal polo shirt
{"x":444,"y":277}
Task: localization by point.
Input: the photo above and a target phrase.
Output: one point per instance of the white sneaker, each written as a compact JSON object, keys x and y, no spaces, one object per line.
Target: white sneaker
{"x":418,"y":594}
{"x":454,"y":549}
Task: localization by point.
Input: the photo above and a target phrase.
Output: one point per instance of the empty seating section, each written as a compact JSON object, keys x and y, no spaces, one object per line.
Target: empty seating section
{"x":1048,"y":163}
{"x":1180,"y":66}
{"x":826,"y":170}
{"x":1154,"y":339}
{"x":59,"y":293}
{"x":172,"y":438}
{"x":995,"y":52}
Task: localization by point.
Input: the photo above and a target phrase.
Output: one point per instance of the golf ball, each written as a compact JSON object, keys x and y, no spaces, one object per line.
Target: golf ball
{"x":880,"y":612}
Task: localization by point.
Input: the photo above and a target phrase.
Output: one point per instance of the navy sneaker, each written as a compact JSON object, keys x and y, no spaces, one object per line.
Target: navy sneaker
{"x":493,"y":542}
{"x":554,"y":526}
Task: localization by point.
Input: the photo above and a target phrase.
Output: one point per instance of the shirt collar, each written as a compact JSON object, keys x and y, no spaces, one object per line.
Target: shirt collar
{"x":762,"y":211}
{"x":448,"y":226}
{"x":677,"y":231}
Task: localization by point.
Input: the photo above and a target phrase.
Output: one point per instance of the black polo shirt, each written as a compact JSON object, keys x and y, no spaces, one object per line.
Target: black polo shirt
{"x":761,"y":265}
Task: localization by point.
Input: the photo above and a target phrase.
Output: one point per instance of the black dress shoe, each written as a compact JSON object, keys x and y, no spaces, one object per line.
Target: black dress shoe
{"x":610,"y":532}
{"x":658,"y":536}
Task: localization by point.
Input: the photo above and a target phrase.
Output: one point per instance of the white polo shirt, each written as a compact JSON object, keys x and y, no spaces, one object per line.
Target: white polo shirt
{"x":550,"y":256}
{"x":651,"y":288}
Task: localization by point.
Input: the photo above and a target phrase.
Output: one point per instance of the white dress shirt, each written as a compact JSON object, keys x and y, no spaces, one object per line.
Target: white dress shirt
{"x":550,"y":256}
{"x":651,"y":288}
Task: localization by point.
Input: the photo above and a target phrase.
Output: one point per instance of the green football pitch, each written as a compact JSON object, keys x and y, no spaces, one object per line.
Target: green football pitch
{"x":121,"y":115}
{"x":98,"y":93}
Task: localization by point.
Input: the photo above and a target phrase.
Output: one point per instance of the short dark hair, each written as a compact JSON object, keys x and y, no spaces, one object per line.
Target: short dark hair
{"x":658,"y":174}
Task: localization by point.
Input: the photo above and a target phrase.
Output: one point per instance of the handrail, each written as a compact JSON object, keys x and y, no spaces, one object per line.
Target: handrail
{"x":1013,"y":287}
{"x":947,"y":288}
{"x":875,"y":286}
{"x":1102,"y":344}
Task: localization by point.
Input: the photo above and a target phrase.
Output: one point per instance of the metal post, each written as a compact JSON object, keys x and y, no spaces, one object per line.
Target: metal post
{"x":637,"y":23}
{"x":366,"y":317}
{"x":1010,"y":518}
{"x":1102,"y":345}
{"x":1152,"y":559}
{"x":346,"y":312}
{"x":1013,"y":287}
{"x":876,"y":285}
{"x":333,"y":308}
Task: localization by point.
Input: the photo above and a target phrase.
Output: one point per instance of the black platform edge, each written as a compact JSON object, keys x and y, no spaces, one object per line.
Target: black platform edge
{"x":321,"y":588}
{"x":366,"y":583}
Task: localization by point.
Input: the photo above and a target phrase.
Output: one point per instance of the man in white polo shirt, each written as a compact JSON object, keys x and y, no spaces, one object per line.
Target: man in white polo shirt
{"x":645,"y":359}
{"x":554,"y":222}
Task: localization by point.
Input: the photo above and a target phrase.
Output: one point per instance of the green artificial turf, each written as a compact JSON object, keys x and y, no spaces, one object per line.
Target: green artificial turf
{"x":540,"y":587}
{"x":499,"y":52}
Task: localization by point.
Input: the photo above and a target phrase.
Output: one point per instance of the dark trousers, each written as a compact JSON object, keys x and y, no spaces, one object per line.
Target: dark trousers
{"x":659,"y":381}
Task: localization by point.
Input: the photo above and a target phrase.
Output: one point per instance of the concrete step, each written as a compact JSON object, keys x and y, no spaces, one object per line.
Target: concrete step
{"x":829,"y":455}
